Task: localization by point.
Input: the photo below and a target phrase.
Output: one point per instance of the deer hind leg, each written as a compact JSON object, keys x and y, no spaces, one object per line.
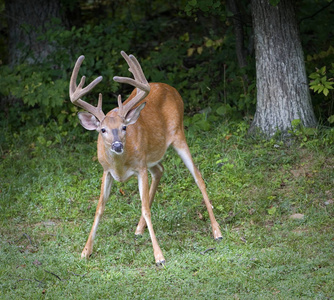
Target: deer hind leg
{"x":146,"y":213}
{"x":156,"y":173}
{"x":181,"y":147}
{"x":105,"y":192}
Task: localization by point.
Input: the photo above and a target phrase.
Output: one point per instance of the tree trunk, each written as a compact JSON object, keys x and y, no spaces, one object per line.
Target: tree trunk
{"x":282,"y":88}
{"x":27,"y":19}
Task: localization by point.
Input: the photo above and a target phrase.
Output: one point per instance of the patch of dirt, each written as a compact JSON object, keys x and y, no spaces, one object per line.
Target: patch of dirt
{"x":305,"y":166}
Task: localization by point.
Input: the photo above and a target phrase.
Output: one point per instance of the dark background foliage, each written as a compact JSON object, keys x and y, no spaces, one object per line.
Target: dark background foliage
{"x":190,"y":45}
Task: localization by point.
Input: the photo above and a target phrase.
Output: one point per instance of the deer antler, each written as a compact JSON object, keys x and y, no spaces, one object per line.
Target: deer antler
{"x":139,"y":81}
{"x":77,"y":91}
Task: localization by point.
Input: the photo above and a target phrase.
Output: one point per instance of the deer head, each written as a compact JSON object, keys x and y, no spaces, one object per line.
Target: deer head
{"x":111,"y":128}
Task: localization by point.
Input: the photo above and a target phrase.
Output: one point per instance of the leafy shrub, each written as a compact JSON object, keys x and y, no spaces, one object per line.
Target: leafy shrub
{"x":312,"y":137}
{"x":322,"y":81}
{"x":195,"y":62}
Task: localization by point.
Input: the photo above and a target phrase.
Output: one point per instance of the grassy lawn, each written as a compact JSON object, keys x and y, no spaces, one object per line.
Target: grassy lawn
{"x":274,"y":202}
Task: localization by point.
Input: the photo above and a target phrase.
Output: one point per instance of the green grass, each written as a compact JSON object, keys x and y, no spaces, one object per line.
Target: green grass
{"x":49,"y":190}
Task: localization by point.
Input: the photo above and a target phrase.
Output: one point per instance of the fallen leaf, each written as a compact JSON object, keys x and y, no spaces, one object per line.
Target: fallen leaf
{"x":272,"y":210}
{"x":228,"y":136}
{"x":122,"y":192}
{"x":36,"y":262}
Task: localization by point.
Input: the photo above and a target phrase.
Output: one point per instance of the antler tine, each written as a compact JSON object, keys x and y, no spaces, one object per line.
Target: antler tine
{"x":139,"y":81}
{"x":135,"y":68}
{"x":140,"y":74}
{"x":77,"y":91}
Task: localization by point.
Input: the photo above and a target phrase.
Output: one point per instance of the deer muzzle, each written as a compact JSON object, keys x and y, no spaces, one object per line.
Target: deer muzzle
{"x":117,"y":147}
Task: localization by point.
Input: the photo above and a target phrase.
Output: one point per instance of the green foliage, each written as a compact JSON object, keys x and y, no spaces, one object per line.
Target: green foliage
{"x":319,"y":52}
{"x":195,"y":61}
{"x":172,"y":45}
{"x":206,"y":6}
{"x":320,"y":83}
{"x":44,"y":86}
{"x":34,"y":85}
{"x":311,"y":137}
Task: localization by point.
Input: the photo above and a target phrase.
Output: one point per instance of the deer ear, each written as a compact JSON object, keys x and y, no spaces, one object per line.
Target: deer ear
{"x":133,"y":115}
{"x":88,"y":121}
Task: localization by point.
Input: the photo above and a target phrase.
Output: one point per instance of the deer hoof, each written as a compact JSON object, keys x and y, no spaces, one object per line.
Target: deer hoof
{"x":86,"y":253}
{"x":138,"y":236}
{"x":160,"y":263}
{"x":139,"y":230}
{"x":218,"y":239}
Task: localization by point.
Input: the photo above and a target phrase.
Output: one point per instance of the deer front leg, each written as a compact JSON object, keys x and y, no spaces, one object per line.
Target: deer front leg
{"x":156,"y":172}
{"x":105,"y":192}
{"x":146,"y":213}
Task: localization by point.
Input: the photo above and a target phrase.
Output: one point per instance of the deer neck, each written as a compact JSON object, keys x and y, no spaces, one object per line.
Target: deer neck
{"x":120,"y":166}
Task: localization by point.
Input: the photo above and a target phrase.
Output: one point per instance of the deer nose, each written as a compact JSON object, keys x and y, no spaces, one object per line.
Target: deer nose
{"x":117,"y":147}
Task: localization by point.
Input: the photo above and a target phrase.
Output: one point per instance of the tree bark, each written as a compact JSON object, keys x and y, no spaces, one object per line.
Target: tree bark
{"x":282,"y":87}
{"x":27,"y":19}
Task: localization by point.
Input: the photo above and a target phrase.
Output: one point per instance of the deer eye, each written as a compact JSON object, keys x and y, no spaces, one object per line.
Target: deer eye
{"x":103,"y":130}
{"x":124,"y":128}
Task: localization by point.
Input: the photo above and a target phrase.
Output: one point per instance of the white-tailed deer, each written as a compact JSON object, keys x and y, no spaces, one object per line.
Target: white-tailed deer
{"x":133,"y":139}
